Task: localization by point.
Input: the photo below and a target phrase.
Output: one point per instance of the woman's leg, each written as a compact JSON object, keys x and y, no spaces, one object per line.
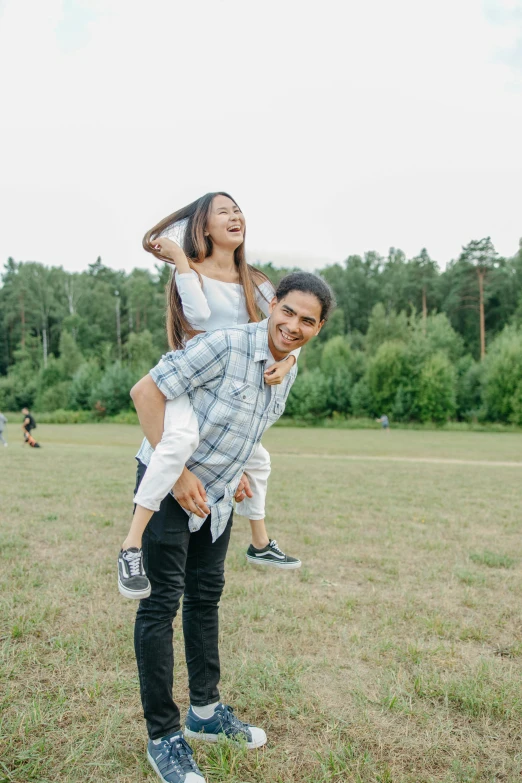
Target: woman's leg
{"x":258,"y":472}
{"x":263,"y":550}
{"x":180,"y":439}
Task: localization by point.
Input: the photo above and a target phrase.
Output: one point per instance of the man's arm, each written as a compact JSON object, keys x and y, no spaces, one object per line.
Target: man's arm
{"x":202,"y":360}
{"x":177,"y":373}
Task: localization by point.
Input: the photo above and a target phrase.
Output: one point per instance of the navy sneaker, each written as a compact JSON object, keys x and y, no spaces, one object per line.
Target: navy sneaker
{"x":172,"y":760}
{"x":223,"y":723}
{"x":271,"y":555}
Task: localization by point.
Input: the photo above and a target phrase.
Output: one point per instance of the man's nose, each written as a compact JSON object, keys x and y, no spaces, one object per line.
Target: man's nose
{"x":292,"y":325}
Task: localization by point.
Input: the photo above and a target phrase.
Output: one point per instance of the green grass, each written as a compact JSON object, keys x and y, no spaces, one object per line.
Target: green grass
{"x":393,"y":656}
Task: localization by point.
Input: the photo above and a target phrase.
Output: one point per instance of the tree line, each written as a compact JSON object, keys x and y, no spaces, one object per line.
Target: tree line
{"x":407,"y":338}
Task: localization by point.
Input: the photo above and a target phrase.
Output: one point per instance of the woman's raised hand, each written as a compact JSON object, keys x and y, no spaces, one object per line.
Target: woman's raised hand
{"x":171,"y":253}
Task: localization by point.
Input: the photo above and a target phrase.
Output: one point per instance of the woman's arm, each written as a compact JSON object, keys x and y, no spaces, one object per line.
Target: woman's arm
{"x":193,"y":300}
{"x":150,"y":407}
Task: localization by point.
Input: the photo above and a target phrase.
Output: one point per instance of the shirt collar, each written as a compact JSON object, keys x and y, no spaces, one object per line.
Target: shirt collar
{"x":262,"y":351}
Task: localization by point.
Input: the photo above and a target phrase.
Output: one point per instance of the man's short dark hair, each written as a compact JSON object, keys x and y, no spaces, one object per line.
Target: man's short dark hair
{"x":308,"y":283}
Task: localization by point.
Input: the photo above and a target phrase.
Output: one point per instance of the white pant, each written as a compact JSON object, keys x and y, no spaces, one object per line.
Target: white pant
{"x":179,"y":441}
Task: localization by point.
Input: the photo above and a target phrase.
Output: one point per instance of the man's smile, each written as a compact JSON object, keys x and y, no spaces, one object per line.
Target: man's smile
{"x":287,"y":338}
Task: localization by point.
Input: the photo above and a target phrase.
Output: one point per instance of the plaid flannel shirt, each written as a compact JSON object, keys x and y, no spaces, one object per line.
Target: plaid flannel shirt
{"x":222,"y":372}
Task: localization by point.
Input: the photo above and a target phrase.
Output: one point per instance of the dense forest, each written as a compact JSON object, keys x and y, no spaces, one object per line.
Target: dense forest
{"x":407,"y":338}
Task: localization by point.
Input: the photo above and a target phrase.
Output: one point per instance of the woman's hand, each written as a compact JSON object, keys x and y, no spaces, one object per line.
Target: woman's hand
{"x":243,"y":489}
{"x":275,"y":374}
{"x":171,"y":253}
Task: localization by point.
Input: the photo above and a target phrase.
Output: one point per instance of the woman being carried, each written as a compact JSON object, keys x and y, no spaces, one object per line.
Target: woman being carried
{"x":212,"y":287}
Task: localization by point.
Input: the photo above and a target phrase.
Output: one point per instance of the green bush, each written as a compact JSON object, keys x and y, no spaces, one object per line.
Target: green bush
{"x":84,"y":381}
{"x":384,"y":327}
{"x":441,"y":336}
{"x":70,"y":355}
{"x":54,"y":398}
{"x":469,"y":375}
{"x":336,"y":355}
{"x":142,"y":353}
{"x":386,"y":373}
{"x":503,"y":376}
{"x":309,"y":395}
{"x":50,"y":375}
{"x":112,"y":394}
{"x":340,"y":391}
{"x":16,"y":392}
{"x":437,"y":399}
{"x":61,"y":416}
{"x":361,"y":399}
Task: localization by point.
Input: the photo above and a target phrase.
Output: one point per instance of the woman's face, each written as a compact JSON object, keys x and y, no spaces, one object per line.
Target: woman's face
{"x":225,"y":223}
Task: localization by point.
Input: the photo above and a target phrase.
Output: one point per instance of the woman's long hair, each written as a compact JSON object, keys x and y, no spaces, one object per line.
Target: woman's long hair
{"x":197,"y":247}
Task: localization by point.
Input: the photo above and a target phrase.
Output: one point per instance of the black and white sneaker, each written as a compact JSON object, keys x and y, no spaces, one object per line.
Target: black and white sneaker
{"x":132,"y":579}
{"x":271,"y":555}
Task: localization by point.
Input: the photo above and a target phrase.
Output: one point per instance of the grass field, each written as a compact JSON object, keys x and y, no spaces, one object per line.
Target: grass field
{"x":393,"y":656}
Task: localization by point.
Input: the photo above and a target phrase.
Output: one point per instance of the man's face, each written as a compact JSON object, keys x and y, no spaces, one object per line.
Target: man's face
{"x":293,"y":321}
{"x":25,"y":411}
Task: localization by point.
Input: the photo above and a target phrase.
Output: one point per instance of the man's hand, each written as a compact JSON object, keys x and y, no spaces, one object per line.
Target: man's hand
{"x":275,"y":374}
{"x":190,"y":494}
{"x":243,"y":489}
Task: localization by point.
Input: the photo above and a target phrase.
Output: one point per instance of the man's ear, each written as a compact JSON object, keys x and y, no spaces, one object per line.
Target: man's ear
{"x":272,"y":305}
{"x":321,"y":324}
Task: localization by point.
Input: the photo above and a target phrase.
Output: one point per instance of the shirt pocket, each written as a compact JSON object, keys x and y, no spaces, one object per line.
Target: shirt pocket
{"x":275,"y":411}
{"x":242,"y":394}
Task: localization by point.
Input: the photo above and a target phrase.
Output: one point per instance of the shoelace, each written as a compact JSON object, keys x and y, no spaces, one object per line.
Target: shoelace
{"x":273,"y":545}
{"x":134,"y":561}
{"x":179,"y":755}
{"x":233,"y":721}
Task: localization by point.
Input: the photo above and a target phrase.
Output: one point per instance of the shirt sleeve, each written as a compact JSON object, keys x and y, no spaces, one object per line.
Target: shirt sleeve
{"x":193,"y":300}
{"x":264,"y":295}
{"x":202,"y":360}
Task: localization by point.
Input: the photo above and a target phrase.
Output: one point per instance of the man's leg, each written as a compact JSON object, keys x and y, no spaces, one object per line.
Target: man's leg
{"x":165,"y":547}
{"x":207,"y":719}
{"x":204,"y":583}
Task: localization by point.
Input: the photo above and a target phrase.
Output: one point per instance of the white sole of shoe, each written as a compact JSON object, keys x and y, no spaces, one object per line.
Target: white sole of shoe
{"x":133,"y":593}
{"x":154,"y":766}
{"x":260,"y":561}
{"x":190,"y":778}
{"x":195,"y":735}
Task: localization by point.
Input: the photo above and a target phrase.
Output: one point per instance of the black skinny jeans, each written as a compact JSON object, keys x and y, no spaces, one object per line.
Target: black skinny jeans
{"x":178,"y":563}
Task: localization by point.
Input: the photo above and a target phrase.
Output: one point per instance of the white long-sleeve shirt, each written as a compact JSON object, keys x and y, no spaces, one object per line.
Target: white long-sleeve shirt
{"x":215,"y":304}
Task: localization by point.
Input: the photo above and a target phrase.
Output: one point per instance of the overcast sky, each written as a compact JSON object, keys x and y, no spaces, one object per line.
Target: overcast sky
{"x":338,"y":126}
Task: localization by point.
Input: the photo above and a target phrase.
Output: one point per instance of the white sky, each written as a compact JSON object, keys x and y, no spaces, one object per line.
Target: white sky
{"x":339,"y":126}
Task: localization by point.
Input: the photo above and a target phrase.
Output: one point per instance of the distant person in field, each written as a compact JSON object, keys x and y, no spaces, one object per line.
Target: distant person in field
{"x":3,"y":422}
{"x":223,"y":372}
{"x":212,"y":287}
{"x":385,"y":423}
{"x":28,"y":425}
